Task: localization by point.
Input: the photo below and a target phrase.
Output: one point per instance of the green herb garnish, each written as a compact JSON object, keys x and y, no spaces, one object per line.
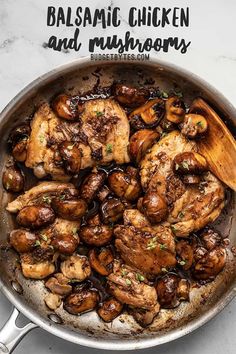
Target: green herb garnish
{"x":75,"y":231}
{"x":109,"y":148}
{"x":163,"y":247}
{"x":123,"y":272}
{"x":182,"y":263}
{"x":185,"y":165}
{"x":152,"y":243}
{"x":200,"y":124}
{"x":62,"y":197}
{"x":164,"y":270}
{"x":44,"y":237}
{"x":37,"y":243}
{"x":41,"y":138}
{"x":181,"y":215}
{"x":47,"y":199}
{"x":128,"y":281}
{"x":164,"y":94}
{"x":99,"y":114}
{"x":140,"y":277}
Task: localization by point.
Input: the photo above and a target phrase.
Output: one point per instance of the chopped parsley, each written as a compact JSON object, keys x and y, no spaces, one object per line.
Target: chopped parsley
{"x":164,"y":94}
{"x":164,"y":270}
{"x":37,"y":243}
{"x":163,"y":247}
{"x":185,"y":165}
{"x":181,"y":215}
{"x":128,"y":281}
{"x":47,"y":199}
{"x":44,"y":237}
{"x":124,"y":272}
{"x":140,"y":277}
{"x":62,"y":197}
{"x":173,"y":228}
{"x":75,"y":231}
{"x":182,"y":263}
{"x":176,"y":166}
{"x":109,"y":148}
{"x":152,"y":243}
{"x":98,"y":113}
{"x":200,"y":124}
{"x":178,"y":93}
{"x":41,"y":138}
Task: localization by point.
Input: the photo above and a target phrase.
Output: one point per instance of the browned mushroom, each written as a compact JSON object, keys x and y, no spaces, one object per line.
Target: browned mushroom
{"x":112,"y":210}
{"x":97,"y":235}
{"x":19,"y":151}
{"x":76,"y":267}
{"x":103,"y":193}
{"x":167,"y":126}
{"x":124,"y":185}
{"x":13,"y":179}
{"x":110,"y":309}
{"x":144,"y":317}
{"x":153,"y":206}
{"x":185,"y":253}
{"x":91,"y":185}
{"x":194,"y":125}
{"x":189,"y":163}
{"x":183,"y":290}
{"x":140,"y":142}
{"x":175,"y":110}
{"x":64,"y":106}
{"x":70,"y":209}
{"x":148,"y":115}
{"x":167,"y":291}
{"x":53,"y":301}
{"x":210,"y":264}
{"x":71,"y":157}
{"x":191,"y":179}
{"x":18,"y":141}
{"x":35,"y":270}
{"x":35,"y":216}
{"x":22,"y":240}
{"x":65,"y":244}
{"x":83,"y":300}
{"x":101,"y":261}
{"x":130,"y":96}
{"x":211,"y":239}
{"x":59,"y":284}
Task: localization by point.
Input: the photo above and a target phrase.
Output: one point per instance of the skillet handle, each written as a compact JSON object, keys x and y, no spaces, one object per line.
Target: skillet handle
{"x":11,"y":334}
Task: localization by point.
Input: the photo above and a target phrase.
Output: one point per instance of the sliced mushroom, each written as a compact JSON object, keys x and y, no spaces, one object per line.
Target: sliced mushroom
{"x":83,"y":300}
{"x":101,"y":261}
{"x":22,"y":240}
{"x":194,"y":125}
{"x":13,"y":179}
{"x":112,"y":210}
{"x":148,"y":115}
{"x":53,"y":301}
{"x":33,"y":270}
{"x":35,"y":216}
{"x":153,"y":206}
{"x":175,"y":110}
{"x":145,"y":317}
{"x":71,"y":157}
{"x":210,"y":264}
{"x":70,"y":209}
{"x":130,"y":96}
{"x":64,"y":107}
{"x":98,"y":235}
{"x":76,"y":267}
{"x":59,"y":284}
{"x":140,"y":142}
{"x":189,"y":163}
{"x":211,"y":239}
{"x":91,"y":185}
{"x":110,"y":309}
{"x":124,"y":186}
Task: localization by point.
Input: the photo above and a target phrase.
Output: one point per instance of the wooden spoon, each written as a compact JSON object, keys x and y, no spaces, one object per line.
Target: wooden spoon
{"x":218,"y":146}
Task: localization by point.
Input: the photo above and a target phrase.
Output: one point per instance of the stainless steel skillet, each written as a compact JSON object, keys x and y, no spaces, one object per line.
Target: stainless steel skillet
{"x":27,"y":296}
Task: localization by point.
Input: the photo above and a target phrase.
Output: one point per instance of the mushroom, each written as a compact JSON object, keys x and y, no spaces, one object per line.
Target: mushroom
{"x":124,"y":185}
{"x":175,"y":110}
{"x":13,"y":179}
{"x":91,"y":185}
{"x":19,"y":151}
{"x":35,"y":216}
{"x":72,"y":209}
{"x":183,"y":290}
{"x":22,"y":240}
{"x":140,"y":142}
{"x":59,"y":284}
{"x":112,"y":210}
{"x":64,"y":107}
{"x":167,"y":126}
{"x":97,"y":235}
{"x":185,"y":253}
{"x":211,"y":239}
{"x":83,"y":300}
{"x":101,"y":261}
{"x":144,"y":317}
{"x":148,"y":115}
{"x":109,"y":309}
{"x":65,"y":243}
{"x":103,"y":193}
{"x":71,"y":157}
{"x":191,"y":179}
{"x":52,"y":301}
{"x":210,"y":264}
{"x":194,"y":125}
{"x":130,"y":96}
{"x":76,"y":267}
{"x":153,"y":206}
{"x":33,"y":270}
{"x":18,"y":141}
{"x":189,"y":163}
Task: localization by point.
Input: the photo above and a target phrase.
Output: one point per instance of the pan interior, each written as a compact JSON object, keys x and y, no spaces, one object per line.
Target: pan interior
{"x":204,"y":300}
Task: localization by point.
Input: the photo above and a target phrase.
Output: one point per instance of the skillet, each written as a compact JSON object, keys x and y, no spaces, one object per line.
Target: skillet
{"x":27,"y":296}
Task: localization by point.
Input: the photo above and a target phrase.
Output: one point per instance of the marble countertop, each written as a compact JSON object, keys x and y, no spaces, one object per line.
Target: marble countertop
{"x":212,"y":56}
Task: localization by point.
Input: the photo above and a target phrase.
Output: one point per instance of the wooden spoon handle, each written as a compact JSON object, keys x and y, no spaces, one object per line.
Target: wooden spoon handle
{"x":218,"y":146}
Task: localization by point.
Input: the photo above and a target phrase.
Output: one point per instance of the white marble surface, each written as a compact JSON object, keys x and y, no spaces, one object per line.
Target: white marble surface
{"x":212,"y":55}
